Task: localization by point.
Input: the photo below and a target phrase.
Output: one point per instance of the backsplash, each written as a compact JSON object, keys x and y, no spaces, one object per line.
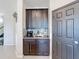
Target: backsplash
{"x":38,"y":32}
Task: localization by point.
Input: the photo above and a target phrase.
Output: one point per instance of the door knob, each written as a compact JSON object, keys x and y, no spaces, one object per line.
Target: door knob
{"x":76,"y":42}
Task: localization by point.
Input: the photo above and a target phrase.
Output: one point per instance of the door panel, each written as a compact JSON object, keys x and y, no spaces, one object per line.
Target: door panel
{"x":59,"y":50}
{"x":59,"y":28}
{"x":69,"y":28}
{"x":54,"y":48}
{"x":26,"y":47}
{"x":69,"y":52}
{"x":63,"y":51}
{"x":76,"y":50}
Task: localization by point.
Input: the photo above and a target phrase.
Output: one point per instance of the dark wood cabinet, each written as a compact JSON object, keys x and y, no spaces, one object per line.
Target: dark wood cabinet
{"x":36,"y":18}
{"x":33,"y":47}
{"x":26,"y":47}
{"x":29,"y":19}
{"x":38,"y":47}
{"x":29,"y":47}
{"x":43,"y":47}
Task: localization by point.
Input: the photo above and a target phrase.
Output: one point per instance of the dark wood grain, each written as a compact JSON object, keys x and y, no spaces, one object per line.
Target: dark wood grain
{"x":36,"y":18}
{"x":39,"y":47}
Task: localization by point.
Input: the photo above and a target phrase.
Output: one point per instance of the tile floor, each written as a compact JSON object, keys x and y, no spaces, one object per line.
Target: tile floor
{"x":8,"y":52}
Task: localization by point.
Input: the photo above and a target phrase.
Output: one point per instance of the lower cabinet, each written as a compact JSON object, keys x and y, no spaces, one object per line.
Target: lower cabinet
{"x":29,"y":47}
{"x":38,"y":47}
{"x":43,"y":47}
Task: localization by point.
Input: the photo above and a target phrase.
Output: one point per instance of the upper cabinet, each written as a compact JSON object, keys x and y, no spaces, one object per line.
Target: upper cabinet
{"x":29,"y":19}
{"x":34,"y":21}
{"x":36,"y":18}
{"x":45,"y":18}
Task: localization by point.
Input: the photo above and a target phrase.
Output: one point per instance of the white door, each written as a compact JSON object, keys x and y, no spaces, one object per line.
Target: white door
{"x":66,"y":32}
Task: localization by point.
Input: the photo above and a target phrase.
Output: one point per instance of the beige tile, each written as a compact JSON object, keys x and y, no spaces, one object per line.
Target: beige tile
{"x":8,"y":52}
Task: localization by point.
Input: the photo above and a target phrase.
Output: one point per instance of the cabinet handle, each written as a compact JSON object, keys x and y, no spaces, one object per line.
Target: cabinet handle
{"x":30,"y":47}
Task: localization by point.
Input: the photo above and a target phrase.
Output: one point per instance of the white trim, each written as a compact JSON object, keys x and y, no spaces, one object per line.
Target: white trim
{"x":36,"y":8}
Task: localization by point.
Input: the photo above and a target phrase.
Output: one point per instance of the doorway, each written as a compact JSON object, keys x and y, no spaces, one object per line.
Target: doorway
{"x":1,"y":31}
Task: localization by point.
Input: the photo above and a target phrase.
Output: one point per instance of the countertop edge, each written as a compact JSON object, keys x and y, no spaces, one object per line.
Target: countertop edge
{"x":36,"y":38}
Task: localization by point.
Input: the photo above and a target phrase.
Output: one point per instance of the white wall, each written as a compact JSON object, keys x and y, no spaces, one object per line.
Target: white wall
{"x":7,"y":8}
{"x":60,"y":3}
{"x":36,"y":3}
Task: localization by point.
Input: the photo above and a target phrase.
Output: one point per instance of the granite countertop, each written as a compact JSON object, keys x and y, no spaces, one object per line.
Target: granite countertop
{"x":36,"y":37}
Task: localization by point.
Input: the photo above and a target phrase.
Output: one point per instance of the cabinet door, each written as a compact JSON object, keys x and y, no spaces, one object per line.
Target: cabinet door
{"x":44,"y":19}
{"x":43,"y":47}
{"x":28,"y":19}
{"x":26,"y":47}
{"x":36,"y":18}
{"x":29,"y":47}
{"x":39,"y":18}
{"x":33,"y":48}
{"x":34,"y":21}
